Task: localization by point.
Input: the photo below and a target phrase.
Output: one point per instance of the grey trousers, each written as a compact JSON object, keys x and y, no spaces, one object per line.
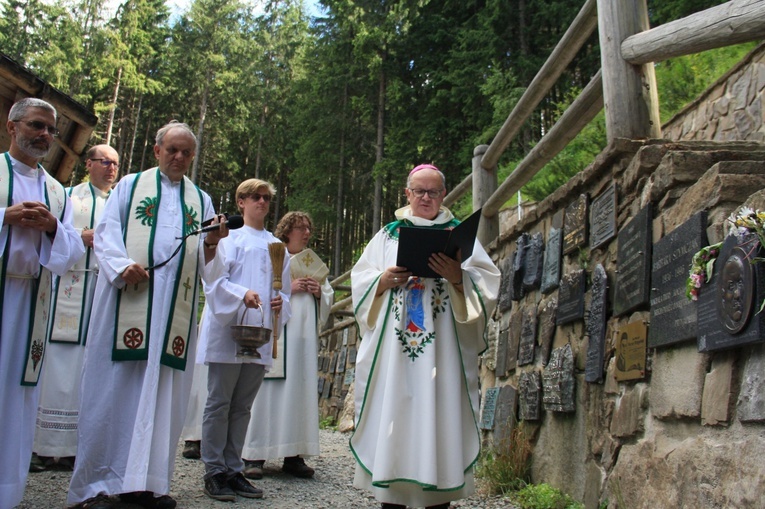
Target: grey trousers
{"x":231,"y":389}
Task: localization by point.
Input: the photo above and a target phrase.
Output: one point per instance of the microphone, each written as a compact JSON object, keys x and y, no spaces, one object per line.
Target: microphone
{"x":233,"y":223}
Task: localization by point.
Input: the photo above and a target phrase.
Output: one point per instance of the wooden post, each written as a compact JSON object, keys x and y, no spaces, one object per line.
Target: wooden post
{"x":484,"y":185}
{"x":629,"y":91}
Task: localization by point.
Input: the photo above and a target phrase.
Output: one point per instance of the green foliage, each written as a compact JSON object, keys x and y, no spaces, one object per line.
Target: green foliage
{"x":328,"y":423}
{"x":506,"y":468}
{"x":543,"y":496}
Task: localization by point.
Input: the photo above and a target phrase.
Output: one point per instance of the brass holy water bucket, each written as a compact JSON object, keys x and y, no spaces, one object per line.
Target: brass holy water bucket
{"x":250,"y":337}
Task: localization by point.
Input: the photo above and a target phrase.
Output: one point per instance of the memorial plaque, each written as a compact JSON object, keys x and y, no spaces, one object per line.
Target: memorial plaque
{"x":571,"y":297}
{"x":532,"y":270}
{"x":504,"y":417}
{"x":501,"y":367}
{"x":514,"y":338}
{"x":488,"y":408}
{"x":546,"y":325}
{"x":633,"y":263}
{"x":341,"y":360}
{"x":551,"y":266}
{"x":321,"y":385}
{"x":505,"y":285}
{"x":603,"y":217}
{"x":728,"y":304}
{"x":575,"y":225}
{"x":631,"y":351}
{"x":596,"y":326}
{"x":558,"y":382}
{"x":350,"y":375}
{"x":530,"y":397}
{"x":327,"y":392}
{"x":528,"y":337}
{"x":333,"y":363}
{"x":352,"y":356}
{"x":332,"y":342}
{"x":320,"y":366}
{"x":673,"y":316}
{"x":519,"y":262}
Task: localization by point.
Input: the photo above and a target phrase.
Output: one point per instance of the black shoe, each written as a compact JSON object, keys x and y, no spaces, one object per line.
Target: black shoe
{"x":217,"y":488}
{"x":393,"y":506}
{"x":440,"y":506}
{"x":191,"y":450}
{"x":40,"y":463}
{"x":243,"y":488}
{"x":97,"y":502}
{"x":67,"y":462}
{"x":296,"y":466}
{"x":254,"y":469}
{"x":147,"y":500}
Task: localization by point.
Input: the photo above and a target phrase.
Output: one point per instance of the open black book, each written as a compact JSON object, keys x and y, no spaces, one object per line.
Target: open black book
{"x":416,"y":244}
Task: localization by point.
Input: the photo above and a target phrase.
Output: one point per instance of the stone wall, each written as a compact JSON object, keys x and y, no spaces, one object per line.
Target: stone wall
{"x":687,"y":432}
{"x":731,"y":109}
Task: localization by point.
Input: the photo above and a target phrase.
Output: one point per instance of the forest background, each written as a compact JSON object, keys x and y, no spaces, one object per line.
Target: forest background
{"x":332,"y":102}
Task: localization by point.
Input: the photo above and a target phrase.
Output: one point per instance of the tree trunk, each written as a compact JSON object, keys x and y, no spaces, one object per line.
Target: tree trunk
{"x":200,"y":129}
{"x":133,"y":137}
{"x":336,"y":267}
{"x":377,"y":207}
{"x":113,"y":107}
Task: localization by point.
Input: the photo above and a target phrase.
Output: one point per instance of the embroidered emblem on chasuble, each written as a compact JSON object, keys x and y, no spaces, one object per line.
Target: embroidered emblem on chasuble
{"x":134,"y":302}
{"x":39,"y":330}
{"x":70,"y":299}
{"x":408,"y":303}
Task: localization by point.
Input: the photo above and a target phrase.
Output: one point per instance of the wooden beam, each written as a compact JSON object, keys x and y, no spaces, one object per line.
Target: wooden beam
{"x":733,"y":22}
{"x":460,"y":189}
{"x":574,"y":38}
{"x":629,"y":91}
{"x":574,"y":119}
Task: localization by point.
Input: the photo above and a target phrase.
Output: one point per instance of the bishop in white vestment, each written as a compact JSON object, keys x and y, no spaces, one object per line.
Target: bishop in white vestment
{"x":417,"y":436}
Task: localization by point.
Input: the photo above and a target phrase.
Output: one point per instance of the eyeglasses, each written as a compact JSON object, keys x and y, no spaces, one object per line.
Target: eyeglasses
{"x":302,"y":228}
{"x":105,"y":162}
{"x":432,"y":193}
{"x":257,"y":197}
{"x":41,"y":126}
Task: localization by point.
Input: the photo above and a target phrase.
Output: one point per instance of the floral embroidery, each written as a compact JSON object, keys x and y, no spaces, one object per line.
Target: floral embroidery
{"x":191,"y":221}
{"x":147,"y":211}
{"x":68,"y":292}
{"x":408,"y":304}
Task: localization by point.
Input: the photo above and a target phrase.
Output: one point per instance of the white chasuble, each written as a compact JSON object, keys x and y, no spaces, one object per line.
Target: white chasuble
{"x":417,"y":436}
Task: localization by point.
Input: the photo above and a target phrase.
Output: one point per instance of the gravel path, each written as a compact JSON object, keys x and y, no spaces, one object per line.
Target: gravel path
{"x":331,"y":488}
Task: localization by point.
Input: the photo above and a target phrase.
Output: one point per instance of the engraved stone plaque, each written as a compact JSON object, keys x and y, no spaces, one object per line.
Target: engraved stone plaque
{"x":352,"y":356}
{"x":504,"y":416}
{"x":575,"y":225}
{"x":321,"y":385}
{"x":546,"y":323}
{"x":350,"y":375}
{"x":558,"y":382}
{"x":528,"y":337}
{"x":532,"y":270}
{"x":603,"y":217}
{"x":501,"y":369}
{"x":488,"y":408}
{"x":729,"y":302}
{"x":530,"y":397}
{"x":551,"y":266}
{"x":505,"y":286}
{"x":631,"y":351}
{"x":673,"y":316}
{"x":596,"y":326}
{"x":514,"y":338}
{"x":633,"y":263}
{"x":327,"y":390}
{"x":571,"y":297}
{"x":519,"y":262}
{"x":341,"y":360}
{"x":333,"y":363}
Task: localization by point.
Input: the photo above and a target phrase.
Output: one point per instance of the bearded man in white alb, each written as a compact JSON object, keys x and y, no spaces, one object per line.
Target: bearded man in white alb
{"x":37,"y":240}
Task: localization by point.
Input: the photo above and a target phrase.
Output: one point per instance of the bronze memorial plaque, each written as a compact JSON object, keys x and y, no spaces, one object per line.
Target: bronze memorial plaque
{"x":631,"y":351}
{"x":575,"y":225}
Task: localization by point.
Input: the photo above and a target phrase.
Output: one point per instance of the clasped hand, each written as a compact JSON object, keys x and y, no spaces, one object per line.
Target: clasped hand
{"x":31,"y":214}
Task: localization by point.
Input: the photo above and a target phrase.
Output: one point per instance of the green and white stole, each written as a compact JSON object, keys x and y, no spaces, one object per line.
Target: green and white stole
{"x":134,"y":302}
{"x":55,"y":199}
{"x":69,"y":323}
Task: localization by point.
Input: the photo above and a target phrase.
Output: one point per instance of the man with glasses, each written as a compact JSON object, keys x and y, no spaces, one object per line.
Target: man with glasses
{"x":58,"y":411}
{"x":416,"y":436}
{"x":37,"y":240}
{"x":139,"y":355}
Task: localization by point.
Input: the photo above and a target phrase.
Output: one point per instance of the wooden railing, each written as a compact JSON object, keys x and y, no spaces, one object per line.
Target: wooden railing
{"x":626,"y":87}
